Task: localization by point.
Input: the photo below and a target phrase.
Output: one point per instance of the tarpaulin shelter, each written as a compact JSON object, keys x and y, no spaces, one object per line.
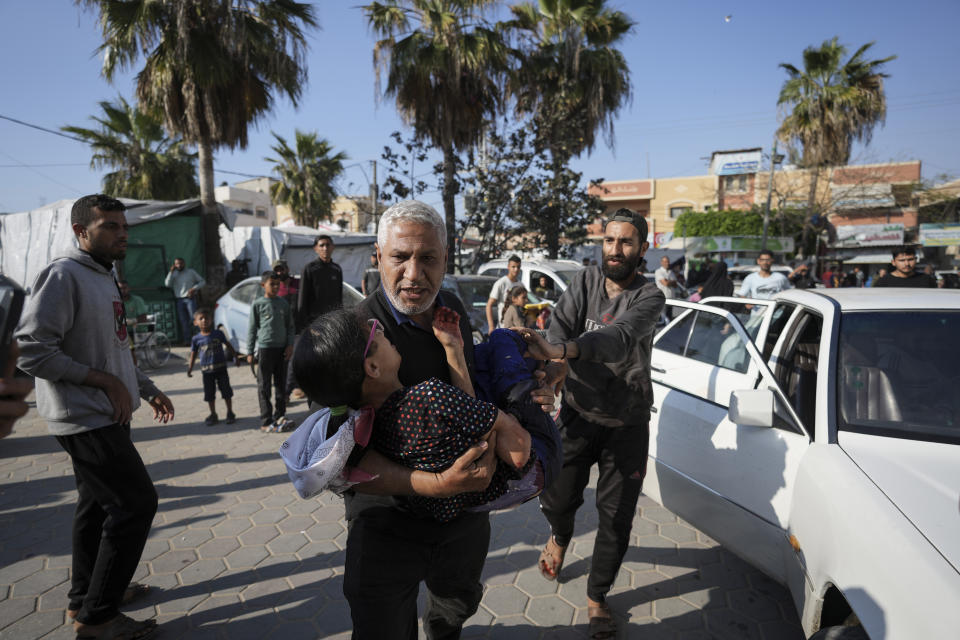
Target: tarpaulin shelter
{"x":159,"y":232}
{"x":260,"y":246}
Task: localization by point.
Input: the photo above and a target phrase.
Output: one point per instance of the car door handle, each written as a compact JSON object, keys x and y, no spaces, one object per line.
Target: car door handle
{"x":657,"y":369}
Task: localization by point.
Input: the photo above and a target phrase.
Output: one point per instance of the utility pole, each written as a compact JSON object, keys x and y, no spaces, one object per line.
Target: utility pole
{"x":374,"y":197}
{"x":766,"y":210}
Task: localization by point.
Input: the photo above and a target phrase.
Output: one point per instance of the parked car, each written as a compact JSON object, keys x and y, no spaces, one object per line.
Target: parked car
{"x":232,"y":311}
{"x":738,"y":273}
{"x":474,"y":291}
{"x":817,"y":436}
{"x":559,"y":273}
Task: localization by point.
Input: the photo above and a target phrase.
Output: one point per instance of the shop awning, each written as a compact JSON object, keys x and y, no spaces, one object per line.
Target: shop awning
{"x":869,"y":258}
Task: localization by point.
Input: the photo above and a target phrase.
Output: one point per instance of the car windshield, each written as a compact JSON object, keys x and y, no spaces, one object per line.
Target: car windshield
{"x":475,"y":292}
{"x":899,"y":375}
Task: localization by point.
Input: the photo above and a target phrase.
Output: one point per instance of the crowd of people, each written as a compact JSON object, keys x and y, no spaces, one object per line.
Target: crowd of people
{"x":456,"y":430}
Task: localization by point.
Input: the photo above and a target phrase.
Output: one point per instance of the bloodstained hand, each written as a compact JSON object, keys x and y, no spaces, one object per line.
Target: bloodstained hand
{"x":446,"y":327}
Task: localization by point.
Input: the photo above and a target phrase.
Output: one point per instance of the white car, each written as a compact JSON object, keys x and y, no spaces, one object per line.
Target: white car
{"x":558,"y":273}
{"x":817,"y":436}
{"x":232,"y":311}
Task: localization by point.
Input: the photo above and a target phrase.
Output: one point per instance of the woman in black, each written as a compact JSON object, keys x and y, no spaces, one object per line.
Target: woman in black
{"x":718,"y":284}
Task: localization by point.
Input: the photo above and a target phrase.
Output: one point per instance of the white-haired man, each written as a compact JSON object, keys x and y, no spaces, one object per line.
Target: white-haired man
{"x":391,"y":547}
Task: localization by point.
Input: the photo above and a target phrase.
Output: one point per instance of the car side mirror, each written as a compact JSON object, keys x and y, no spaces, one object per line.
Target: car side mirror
{"x":751,"y":407}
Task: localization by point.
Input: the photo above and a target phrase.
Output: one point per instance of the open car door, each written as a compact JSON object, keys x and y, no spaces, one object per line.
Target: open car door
{"x":724,"y":442}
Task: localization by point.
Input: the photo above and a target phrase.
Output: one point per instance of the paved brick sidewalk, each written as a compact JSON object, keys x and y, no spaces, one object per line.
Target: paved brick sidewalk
{"x":234,"y":553}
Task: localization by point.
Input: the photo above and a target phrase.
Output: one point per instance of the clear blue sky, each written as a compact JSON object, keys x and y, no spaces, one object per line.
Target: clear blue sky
{"x":700,"y":84}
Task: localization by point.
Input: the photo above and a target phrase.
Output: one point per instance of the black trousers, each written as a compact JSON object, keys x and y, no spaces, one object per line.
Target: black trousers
{"x":272,"y":372}
{"x":621,"y":454}
{"x":114,"y":512}
{"x":389,"y":552}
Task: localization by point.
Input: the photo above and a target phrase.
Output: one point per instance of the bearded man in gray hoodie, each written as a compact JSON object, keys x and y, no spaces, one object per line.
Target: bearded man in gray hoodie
{"x":73,"y":338}
{"x":601,"y":334}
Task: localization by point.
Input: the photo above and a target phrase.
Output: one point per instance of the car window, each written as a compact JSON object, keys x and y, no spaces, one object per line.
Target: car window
{"x":898,"y":374}
{"x":473,"y":292}
{"x":715,"y":342}
{"x":778,"y":320}
{"x":744,"y":312}
{"x":550,"y":292}
{"x":566,"y":276}
{"x":674,"y":340}
{"x":495,"y":272}
{"x":245,"y":293}
{"x":796,"y":371}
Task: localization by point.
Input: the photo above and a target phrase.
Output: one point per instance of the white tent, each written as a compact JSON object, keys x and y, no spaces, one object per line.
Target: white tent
{"x":31,"y":239}
{"x":262,"y":245}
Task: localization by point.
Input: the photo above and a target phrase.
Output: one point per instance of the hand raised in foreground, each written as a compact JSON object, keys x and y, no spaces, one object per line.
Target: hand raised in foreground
{"x":12,"y":394}
{"x":446,"y":327}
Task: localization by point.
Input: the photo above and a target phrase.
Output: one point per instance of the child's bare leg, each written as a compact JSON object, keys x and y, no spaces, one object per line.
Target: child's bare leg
{"x":213,"y":406}
{"x":229,"y":403}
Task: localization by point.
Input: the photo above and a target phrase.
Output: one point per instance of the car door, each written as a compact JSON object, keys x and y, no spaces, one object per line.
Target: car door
{"x":238,"y":312}
{"x":730,"y":480}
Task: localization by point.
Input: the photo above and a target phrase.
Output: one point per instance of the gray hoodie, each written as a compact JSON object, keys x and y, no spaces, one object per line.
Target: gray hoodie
{"x":73,"y":321}
{"x":609,"y":383}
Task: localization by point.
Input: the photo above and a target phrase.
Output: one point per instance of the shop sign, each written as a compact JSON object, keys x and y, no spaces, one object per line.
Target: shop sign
{"x":869,"y":235}
{"x":938,"y":234}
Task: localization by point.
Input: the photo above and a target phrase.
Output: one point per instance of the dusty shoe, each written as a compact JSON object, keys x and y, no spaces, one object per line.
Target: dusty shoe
{"x":231,"y":417}
{"x":211,"y":420}
{"x":120,"y":628}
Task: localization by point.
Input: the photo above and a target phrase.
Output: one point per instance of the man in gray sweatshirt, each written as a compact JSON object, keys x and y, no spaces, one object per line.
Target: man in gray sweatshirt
{"x":602,"y":330}
{"x":73,"y":338}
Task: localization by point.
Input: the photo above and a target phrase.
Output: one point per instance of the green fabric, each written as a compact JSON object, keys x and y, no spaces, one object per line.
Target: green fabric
{"x":271,"y":324}
{"x":152,"y":246}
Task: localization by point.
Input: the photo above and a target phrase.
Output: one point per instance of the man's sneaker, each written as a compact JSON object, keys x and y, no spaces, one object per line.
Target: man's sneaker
{"x":231,"y":417}
{"x":211,"y":420}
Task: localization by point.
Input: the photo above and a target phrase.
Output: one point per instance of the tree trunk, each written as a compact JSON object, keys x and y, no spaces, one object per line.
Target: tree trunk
{"x":213,"y":258}
{"x":449,"y":202}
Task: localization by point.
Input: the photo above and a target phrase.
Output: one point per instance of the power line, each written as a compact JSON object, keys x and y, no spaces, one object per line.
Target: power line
{"x":36,"y":126}
{"x":30,"y":166}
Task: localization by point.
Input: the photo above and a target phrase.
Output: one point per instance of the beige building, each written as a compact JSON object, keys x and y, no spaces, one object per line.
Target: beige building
{"x":250,"y":200}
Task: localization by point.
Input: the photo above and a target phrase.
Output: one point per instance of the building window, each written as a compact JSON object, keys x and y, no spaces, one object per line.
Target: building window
{"x":261,"y":212}
{"x":735,"y":184}
{"x":676,"y":211}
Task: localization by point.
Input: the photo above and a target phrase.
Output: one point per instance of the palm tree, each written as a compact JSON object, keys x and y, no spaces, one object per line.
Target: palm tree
{"x":570,"y":79}
{"x":442,"y":63}
{"x":147,"y":163}
{"x":832,"y":103}
{"x":306,"y":174}
{"x":211,"y":67}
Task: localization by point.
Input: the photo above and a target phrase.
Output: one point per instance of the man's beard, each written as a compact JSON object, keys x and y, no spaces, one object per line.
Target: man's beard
{"x":408,"y":309}
{"x":622,"y":271}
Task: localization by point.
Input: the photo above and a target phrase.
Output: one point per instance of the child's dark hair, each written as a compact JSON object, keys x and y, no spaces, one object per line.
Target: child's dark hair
{"x":328,"y":358}
{"x":513,"y":293}
{"x":203,"y":311}
{"x":268,"y":275}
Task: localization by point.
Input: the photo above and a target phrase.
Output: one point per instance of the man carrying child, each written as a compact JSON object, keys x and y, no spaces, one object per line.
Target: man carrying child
{"x":390,"y":547}
{"x":270,"y":335}
{"x":210,"y":343}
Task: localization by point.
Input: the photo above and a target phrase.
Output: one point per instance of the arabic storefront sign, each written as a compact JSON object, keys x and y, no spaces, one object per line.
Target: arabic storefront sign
{"x":938,"y":234}
{"x":747,"y":243}
{"x":729,"y":164}
{"x":622,"y":190}
{"x":869,"y":235}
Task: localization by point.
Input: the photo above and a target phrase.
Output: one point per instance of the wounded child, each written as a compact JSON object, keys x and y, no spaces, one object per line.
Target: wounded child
{"x":343,"y":359}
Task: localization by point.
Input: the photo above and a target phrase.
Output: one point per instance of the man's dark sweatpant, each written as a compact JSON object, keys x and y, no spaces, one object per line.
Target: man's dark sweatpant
{"x":272,"y":372}
{"x":114,"y":512}
{"x":621,"y":454}
{"x":389,"y":553}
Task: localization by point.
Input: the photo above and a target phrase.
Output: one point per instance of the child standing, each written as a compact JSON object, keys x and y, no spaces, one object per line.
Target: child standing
{"x":271,"y":334}
{"x":210,"y":343}
{"x":514,"y":315}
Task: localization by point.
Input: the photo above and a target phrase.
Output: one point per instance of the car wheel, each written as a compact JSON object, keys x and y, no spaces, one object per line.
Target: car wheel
{"x":841,"y":633}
